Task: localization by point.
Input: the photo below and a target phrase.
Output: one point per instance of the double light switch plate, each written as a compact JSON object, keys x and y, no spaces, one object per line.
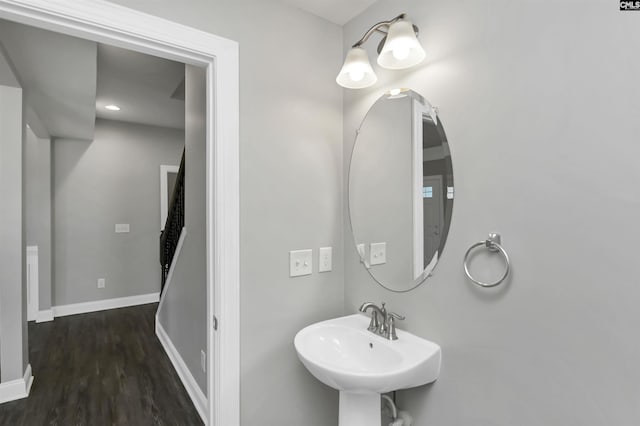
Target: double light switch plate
{"x":300,"y":262}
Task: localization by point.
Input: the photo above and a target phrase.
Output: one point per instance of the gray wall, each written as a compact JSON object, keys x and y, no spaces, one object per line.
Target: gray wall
{"x":183,"y":313}
{"x":290,"y":192}
{"x":516,"y":82}
{"x":381,"y":188}
{"x":8,"y":75}
{"x":38,"y":209}
{"x":112,"y":179}
{"x":13,"y":316}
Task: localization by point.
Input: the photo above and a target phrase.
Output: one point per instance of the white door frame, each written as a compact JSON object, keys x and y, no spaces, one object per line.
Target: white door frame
{"x":105,"y":22}
{"x":418,"y":111}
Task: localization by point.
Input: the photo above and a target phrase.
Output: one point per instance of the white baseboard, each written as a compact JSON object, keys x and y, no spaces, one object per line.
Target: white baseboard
{"x":197,"y":396}
{"x":44,"y":316}
{"x":17,"y":389}
{"x":103,"y":305}
{"x":193,"y":389}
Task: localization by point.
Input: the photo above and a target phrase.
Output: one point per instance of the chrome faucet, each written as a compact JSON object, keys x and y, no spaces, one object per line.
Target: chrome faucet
{"x":382,"y":323}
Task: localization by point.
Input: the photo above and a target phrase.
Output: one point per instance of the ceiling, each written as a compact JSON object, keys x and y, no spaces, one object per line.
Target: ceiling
{"x":141,"y":85}
{"x":7,"y":75}
{"x":58,"y":75}
{"x":337,"y":11}
{"x":68,"y":81}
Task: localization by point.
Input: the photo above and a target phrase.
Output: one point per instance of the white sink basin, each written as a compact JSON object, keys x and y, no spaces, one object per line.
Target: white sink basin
{"x":343,"y":354}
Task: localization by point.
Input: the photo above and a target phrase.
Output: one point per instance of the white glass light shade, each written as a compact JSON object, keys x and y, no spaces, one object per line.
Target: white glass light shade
{"x":356,"y":73}
{"x":401,"y":49}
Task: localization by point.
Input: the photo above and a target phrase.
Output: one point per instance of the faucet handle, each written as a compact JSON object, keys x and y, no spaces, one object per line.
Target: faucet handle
{"x":391,"y":330}
{"x":396,"y":316}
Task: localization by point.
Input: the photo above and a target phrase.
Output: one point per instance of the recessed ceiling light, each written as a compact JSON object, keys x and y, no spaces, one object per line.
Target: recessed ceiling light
{"x":113,"y":107}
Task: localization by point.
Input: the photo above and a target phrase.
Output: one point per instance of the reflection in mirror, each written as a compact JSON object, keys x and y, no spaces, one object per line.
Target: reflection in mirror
{"x":400,"y":190}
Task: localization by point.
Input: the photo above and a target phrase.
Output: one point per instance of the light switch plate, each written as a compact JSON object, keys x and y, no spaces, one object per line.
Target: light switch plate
{"x":122,"y":228}
{"x":101,"y":282}
{"x":325,"y":259}
{"x":378,"y":253}
{"x":300,"y":262}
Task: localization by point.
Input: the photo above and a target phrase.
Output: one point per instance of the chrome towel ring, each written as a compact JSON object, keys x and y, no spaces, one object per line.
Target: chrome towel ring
{"x":493,"y":244}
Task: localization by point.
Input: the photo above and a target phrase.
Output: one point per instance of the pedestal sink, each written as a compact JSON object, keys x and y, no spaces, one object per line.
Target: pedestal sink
{"x":344,"y":355}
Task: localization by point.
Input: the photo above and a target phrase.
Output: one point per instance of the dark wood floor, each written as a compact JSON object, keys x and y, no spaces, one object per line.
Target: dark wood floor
{"x":104,"y":368}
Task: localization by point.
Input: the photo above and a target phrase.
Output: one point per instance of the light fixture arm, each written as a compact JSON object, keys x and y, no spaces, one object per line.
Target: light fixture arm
{"x":377,"y":28}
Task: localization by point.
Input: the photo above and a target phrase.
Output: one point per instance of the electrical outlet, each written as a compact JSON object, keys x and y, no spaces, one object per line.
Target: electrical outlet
{"x":324,"y":259}
{"x":102,"y":282}
{"x":378,"y":253}
{"x":203,"y":360}
{"x":122,"y":228}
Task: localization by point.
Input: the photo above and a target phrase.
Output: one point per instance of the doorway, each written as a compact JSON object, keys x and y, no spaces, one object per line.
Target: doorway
{"x":116,"y":25}
{"x":433,"y":216}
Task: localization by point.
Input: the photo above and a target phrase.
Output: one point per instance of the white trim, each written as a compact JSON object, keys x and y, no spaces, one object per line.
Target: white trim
{"x":113,"y":24}
{"x":176,"y":256}
{"x":33,"y":283}
{"x":17,"y":389}
{"x":193,"y":389}
{"x":419,"y":110}
{"x":103,"y":305}
{"x":164,"y":198}
{"x":44,"y":316}
{"x":223,"y":241}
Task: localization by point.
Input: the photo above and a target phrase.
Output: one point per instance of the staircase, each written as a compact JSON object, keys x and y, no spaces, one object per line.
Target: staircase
{"x":173,"y":226}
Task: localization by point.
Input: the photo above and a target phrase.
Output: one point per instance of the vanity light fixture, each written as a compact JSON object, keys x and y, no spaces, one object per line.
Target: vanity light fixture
{"x":112,"y":107}
{"x":399,"y":49}
{"x":356,"y":73}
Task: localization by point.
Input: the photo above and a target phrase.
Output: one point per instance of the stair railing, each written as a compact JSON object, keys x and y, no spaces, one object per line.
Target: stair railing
{"x":170,"y":235}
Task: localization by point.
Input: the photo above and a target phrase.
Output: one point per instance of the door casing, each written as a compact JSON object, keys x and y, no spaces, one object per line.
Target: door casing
{"x":105,"y":22}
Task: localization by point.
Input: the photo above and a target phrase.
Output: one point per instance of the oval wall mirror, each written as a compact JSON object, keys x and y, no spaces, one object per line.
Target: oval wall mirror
{"x":400,"y":190}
